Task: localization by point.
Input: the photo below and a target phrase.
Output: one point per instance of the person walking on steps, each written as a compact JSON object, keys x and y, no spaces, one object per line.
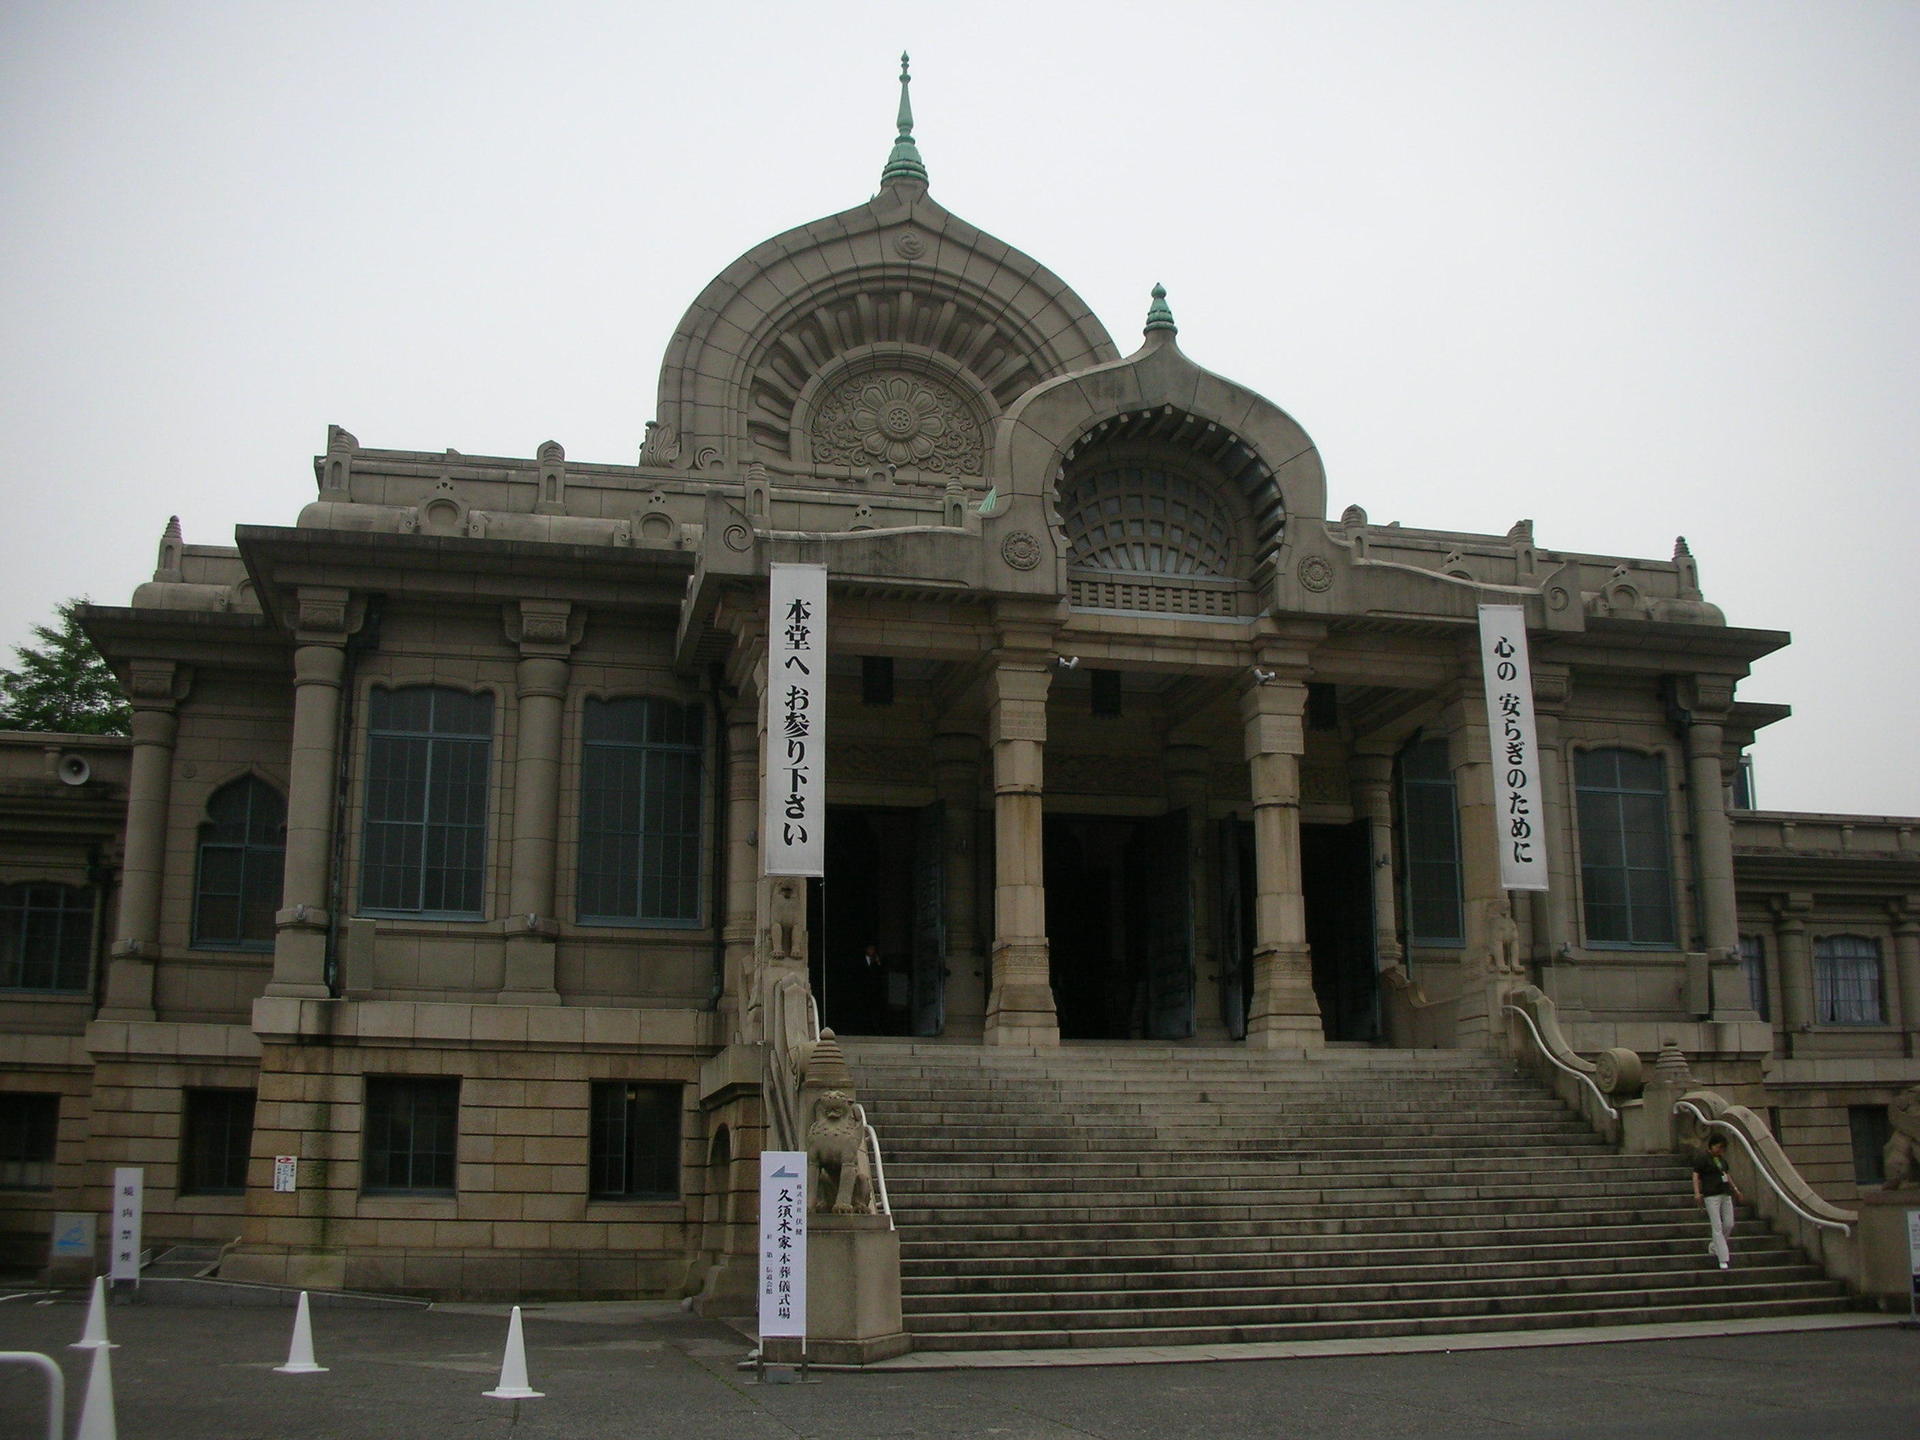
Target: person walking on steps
{"x":1713,"y":1187}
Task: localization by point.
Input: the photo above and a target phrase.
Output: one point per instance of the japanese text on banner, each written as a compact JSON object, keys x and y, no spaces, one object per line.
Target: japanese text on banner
{"x":1519,"y":818}
{"x":793,"y":832}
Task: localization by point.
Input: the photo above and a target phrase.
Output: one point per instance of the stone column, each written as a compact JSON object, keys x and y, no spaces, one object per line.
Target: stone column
{"x":1373,"y":801}
{"x":1553,"y":924}
{"x":1705,"y":699}
{"x":1906,"y":964}
{"x":1796,"y":964}
{"x":319,"y":662}
{"x":1284,"y":1012}
{"x":1477,"y":1018}
{"x":956,"y":760}
{"x":1020,"y":1010}
{"x":155,"y":689}
{"x":1189,"y":770}
{"x":540,"y":694}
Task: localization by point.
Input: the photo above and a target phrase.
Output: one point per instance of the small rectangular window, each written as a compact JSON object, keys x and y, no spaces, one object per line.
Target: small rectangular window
{"x":1870,"y":1131}
{"x":216,"y":1136}
{"x":1846,"y":980}
{"x":46,"y":937}
{"x":634,"y":1145}
{"x":411,"y":1133}
{"x":29,"y":1133}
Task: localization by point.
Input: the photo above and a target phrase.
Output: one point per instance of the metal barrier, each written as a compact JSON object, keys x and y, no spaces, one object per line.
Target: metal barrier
{"x":56,"y":1387}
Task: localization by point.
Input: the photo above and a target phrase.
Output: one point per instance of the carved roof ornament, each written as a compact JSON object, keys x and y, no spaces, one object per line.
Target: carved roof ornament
{"x":904,"y":162}
{"x":1160,"y":314}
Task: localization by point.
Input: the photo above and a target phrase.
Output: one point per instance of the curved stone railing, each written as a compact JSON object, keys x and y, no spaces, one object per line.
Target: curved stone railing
{"x":1572,"y":1075}
{"x":1779,"y":1192}
{"x":1768,"y":1160}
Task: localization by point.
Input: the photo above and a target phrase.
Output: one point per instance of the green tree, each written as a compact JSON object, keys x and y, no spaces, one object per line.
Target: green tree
{"x":63,"y":684}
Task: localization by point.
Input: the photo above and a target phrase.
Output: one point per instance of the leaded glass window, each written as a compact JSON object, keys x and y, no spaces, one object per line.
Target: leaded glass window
{"x":423,"y":849}
{"x":46,"y":937}
{"x":1846,"y":980}
{"x":243,"y":852}
{"x":640,"y":811}
{"x":1626,"y":864}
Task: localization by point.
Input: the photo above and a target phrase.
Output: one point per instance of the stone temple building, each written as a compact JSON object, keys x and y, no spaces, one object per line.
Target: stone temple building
{"x":433,"y":860}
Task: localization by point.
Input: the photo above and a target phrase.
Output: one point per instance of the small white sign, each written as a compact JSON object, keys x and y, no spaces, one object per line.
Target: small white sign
{"x":73,"y":1234}
{"x":793,"y":831}
{"x":286,"y":1174}
{"x":783,"y":1243}
{"x":1913,"y":1256}
{"x":129,"y":1197}
{"x":1519,"y":814}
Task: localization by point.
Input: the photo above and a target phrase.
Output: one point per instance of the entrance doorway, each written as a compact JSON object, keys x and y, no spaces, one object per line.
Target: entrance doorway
{"x":1337,"y":884}
{"x":1120,"y":926}
{"x":878,"y":943}
{"x":1335,"y":874}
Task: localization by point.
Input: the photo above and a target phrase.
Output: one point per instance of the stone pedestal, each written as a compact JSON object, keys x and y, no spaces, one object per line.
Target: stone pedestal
{"x":1886,"y":1269}
{"x":853,"y":1294}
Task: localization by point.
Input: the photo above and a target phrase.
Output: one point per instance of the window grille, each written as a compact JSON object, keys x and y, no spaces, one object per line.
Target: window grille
{"x":424,"y":843}
{"x":1626,"y":864}
{"x":640,"y":812}
{"x":243,"y":853}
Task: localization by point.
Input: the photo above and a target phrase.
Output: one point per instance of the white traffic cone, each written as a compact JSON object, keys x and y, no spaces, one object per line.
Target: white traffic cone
{"x":513,"y":1366}
{"x":300,"y":1352}
{"x":94,"y":1337}
{"x":96,"y":1412}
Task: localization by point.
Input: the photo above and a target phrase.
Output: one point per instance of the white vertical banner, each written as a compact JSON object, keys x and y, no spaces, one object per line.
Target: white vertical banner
{"x":1519,"y":816}
{"x":129,"y":1197}
{"x":783,"y":1243}
{"x":793,"y":832}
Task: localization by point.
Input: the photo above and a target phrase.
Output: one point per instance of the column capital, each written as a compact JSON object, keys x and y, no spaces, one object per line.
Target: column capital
{"x":1552,"y":685}
{"x":1904,"y":910}
{"x":326,"y":614}
{"x":157,"y":684}
{"x":1790,"y":910}
{"x":1705,"y":698}
{"x":544,"y":629}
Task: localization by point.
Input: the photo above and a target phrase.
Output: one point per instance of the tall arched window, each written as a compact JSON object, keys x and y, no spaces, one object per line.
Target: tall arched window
{"x":423,"y":851}
{"x":1626,"y":865}
{"x":243,"y":850}
{"x":640,"y":809}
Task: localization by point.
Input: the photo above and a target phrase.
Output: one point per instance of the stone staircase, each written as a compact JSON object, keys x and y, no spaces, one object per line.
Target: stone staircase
{"x":1142,"y":1194}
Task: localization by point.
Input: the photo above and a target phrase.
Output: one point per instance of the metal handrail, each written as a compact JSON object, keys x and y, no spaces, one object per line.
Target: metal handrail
{"x":56,"y":1387}
{"x":1765,"y":1171}
{"x":879,"y":1165}
{"x":1580,"y":1075}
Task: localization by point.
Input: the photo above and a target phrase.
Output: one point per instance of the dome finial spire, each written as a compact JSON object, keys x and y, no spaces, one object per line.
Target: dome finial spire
{"x":1159,"y":314}
{"x":904,"y":163}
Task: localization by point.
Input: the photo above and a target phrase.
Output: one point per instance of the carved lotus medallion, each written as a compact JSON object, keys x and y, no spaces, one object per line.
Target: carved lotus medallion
{"x":901,"y":419}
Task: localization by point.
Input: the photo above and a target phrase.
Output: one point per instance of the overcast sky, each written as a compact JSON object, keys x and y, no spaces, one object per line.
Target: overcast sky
{"x":1632,"y":270}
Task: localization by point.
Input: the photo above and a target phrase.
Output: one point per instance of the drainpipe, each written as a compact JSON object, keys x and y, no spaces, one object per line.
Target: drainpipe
{"x":366,"y":638}
{"x":716,"y":693}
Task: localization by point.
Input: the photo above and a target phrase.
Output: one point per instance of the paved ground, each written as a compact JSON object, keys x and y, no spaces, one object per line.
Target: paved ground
{"x":198,"y":1372}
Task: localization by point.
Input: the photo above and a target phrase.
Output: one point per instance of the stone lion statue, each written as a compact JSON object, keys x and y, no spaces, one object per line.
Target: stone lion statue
{"x":1902,"y":1156}
{"x":837,"y":1150}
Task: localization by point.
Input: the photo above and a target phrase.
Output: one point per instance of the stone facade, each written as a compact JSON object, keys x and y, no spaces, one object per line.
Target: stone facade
{"x":436,"y":836}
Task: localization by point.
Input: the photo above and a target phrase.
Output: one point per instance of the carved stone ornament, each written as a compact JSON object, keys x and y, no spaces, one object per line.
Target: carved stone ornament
{"x":908,"y":245}
{"x":323,"y":614}
{"x":1901,"y":1162}
{"x":901,"y":418}
{"x":1021,"y":550}
{"x":662,"y":445}
{"x":737,"y":537}
{"x":1316,"y":574}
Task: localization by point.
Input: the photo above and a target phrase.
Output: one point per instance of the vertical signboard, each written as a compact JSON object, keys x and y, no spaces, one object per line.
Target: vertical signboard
{"x":1519,"y":818}
{"x":783,"y":1243}
{"x":793,"y":834}
{"x":286,"y":1174}
{"x":129,"y":1196}
{"x":1913,"y":1262}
